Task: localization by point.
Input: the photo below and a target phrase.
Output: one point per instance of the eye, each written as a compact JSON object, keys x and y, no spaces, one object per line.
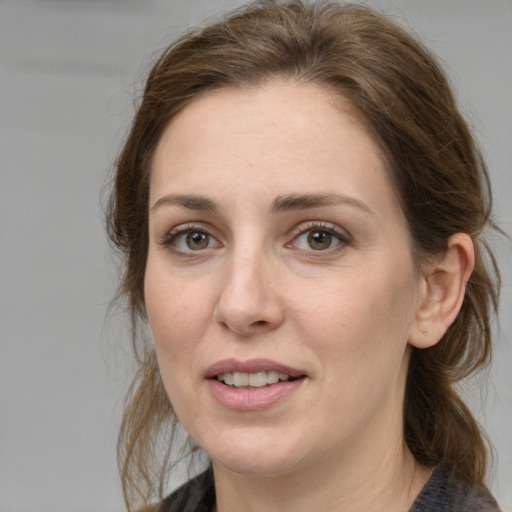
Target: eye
{"x":319,"y":238}
{"x":197,"y":240}
{"x":190,"y":239}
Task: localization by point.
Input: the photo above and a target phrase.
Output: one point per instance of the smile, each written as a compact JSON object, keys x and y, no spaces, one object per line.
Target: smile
{"x":253,"y":385}
{"x":244,"y":380}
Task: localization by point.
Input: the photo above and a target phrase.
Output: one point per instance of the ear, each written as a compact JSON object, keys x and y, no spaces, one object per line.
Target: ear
{"x":443,"y":289}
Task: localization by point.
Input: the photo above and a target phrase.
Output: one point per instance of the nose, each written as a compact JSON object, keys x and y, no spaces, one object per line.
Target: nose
{"x":248,"y":303}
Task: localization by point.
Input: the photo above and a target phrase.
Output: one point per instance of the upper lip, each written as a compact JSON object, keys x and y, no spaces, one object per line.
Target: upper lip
{"x":250,"y":366}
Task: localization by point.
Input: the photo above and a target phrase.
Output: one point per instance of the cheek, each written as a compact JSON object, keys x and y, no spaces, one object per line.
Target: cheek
{"x":359,"y":322}
{"x":176,"y":325}
{"x":177,"y":316}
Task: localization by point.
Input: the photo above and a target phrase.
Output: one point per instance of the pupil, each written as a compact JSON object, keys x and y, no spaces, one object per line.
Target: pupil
{"x":319,"y":240}
{"x":197,"y":240}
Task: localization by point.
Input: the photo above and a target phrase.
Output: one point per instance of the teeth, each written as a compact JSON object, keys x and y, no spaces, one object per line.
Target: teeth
{"x":253,"y":380}
{"x":257,"y":380}
{"x":240,"y":379}
{"x":273,"y":377}
{"x":227,"y":378}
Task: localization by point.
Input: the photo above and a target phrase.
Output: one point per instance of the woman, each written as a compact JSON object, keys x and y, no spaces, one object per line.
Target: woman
{"x":302,"y":207}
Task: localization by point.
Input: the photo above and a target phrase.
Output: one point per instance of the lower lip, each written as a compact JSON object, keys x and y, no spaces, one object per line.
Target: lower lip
{"x":253,"y":399}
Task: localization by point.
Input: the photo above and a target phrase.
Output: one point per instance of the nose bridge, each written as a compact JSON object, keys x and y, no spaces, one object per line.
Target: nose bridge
{"x":245,"y":279}
{"x":247,"y":302}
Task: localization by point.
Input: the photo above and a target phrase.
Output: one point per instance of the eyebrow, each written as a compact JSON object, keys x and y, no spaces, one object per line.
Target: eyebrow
{"x":305,"y":201}
{"x":192,"y":202}
{"x":283,"y":203}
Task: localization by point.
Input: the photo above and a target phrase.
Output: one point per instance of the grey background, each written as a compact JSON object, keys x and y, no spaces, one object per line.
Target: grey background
{"x":69,"y":70}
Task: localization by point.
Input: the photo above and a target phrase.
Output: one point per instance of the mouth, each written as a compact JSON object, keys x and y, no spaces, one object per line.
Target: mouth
{"x":254,"y":385}
{"x":252,"y":374}
{"x":255,"y":380}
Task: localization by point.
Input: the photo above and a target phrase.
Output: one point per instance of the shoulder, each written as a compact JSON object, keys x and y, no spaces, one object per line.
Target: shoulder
{"x":446,"y":493}
{"x":197,"y":495}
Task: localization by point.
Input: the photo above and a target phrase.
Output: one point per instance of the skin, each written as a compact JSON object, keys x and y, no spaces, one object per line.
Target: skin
{"x":346,"y":316}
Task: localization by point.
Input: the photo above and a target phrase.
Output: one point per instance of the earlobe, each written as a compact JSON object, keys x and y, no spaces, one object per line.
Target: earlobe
{"x":444,"y":287}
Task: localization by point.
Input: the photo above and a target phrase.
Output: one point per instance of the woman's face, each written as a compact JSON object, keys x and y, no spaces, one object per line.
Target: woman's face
{"x":280,"y":286}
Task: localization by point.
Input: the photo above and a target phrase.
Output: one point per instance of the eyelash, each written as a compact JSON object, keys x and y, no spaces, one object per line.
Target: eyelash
{"x":320,"y":227}
{"x":171,"y":239}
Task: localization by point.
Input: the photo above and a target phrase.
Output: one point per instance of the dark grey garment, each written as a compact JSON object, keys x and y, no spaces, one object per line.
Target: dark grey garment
{"x":442,"y":493}
{"x":447,"y":493}
{"x":197,"y":495}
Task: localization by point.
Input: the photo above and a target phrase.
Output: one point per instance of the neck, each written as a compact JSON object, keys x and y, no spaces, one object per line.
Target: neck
{"x":387,"y":479}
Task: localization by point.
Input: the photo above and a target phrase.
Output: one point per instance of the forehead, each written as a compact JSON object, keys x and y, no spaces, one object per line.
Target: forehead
{"x":277,"y":136}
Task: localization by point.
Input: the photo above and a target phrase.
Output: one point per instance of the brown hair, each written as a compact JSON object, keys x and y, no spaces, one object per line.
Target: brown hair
{"x":438,"y":173}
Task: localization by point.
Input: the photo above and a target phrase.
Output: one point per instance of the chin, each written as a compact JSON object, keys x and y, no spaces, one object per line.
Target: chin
{"x":262,"y":468}
{"x":259,"y":459}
